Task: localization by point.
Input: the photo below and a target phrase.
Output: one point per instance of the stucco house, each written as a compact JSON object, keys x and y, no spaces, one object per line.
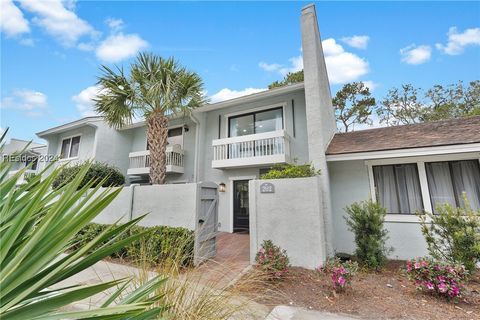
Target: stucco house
{"x":405,"y":168}
{"x":21,"y":153}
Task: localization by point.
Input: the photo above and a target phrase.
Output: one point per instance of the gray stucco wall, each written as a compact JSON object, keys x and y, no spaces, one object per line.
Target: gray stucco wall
{"x":291,"y":217}
{"x":349,"y":183}
{"x":171,"y":205}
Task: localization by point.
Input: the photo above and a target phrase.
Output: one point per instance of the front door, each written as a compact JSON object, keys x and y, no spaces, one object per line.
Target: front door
{"x":240,"y":206}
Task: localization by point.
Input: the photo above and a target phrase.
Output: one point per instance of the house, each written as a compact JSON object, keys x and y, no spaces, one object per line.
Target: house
{"x":405,"y":168}
{"x":21,"y":154}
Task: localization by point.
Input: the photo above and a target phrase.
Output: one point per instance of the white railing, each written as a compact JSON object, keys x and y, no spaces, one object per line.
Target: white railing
{"x":23,"y":177}
{"x":262,"y":148}
{"x":140,"y":160}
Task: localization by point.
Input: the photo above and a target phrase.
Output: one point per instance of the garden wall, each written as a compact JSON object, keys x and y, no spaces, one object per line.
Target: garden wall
{"x":291,"y":216}
{"x":171,"y":205}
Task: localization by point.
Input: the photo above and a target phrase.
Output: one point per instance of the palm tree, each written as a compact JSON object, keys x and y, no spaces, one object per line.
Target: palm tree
{"x":155,"y":89}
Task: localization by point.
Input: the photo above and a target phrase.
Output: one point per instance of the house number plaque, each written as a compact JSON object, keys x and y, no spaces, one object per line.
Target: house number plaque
{"x":267,"y":187}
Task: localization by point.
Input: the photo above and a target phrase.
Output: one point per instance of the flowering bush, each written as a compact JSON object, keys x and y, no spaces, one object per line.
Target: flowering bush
{"x":453,"y":234}
{"x":272,"y":260}
{"x":340,"y":272}
{"x":437,"y":277}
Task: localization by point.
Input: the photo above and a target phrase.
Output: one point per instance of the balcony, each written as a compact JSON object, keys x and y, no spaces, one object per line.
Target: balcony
{"x":251,"y":150}
{"x":140,"y":161}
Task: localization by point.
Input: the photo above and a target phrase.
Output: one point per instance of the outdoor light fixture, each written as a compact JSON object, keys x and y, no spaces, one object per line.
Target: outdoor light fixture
{"x":221,"y":187}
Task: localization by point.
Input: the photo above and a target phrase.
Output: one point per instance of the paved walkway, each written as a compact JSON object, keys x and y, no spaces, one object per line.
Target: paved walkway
{"x":231,"y":261}
{"x":293,"y":313}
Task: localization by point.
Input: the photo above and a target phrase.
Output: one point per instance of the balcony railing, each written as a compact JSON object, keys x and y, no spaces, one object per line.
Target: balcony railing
{"x":140,"y":161}
{"x":250,"y":150}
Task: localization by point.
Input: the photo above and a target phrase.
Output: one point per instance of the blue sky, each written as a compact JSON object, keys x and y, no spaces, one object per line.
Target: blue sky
{"x":51,"y":50}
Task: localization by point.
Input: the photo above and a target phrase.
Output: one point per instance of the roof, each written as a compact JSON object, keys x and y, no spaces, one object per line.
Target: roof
{"x":430,"y":134}
{"x":252,"y":97}
{"x":70,"y":125}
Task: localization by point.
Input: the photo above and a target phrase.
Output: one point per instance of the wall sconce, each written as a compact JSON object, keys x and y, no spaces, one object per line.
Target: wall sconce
{"x":221,"y":187}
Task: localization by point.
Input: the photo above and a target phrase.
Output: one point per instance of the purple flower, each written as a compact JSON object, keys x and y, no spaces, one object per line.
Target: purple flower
{"x":342,"y":281}
{"x":441,"y":278}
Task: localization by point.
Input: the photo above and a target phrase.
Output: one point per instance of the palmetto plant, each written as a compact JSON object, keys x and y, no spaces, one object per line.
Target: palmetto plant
{"x":36,"y":228}
{"x":154,"y":89}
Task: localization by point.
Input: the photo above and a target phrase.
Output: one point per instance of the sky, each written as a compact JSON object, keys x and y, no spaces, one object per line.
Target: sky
{"x":51,"y":50}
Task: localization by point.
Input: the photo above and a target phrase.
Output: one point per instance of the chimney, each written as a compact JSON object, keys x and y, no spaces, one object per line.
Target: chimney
{"x":321,"y":124}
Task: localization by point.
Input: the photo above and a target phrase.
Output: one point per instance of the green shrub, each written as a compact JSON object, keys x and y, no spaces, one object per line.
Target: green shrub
{"x":365,"y":220}
{"x":272,"y":260}
{"x":161,"y":244}
{"x":453,"y":235}
{"x":99,"y":171}
{"x":290,"y":170}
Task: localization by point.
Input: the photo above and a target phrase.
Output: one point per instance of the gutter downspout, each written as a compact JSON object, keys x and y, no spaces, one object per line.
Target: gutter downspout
{"x":132,"y":197}
{"x":197,"y":142}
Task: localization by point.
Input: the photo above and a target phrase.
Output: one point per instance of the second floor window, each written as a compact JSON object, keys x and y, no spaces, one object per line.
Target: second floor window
{"x":256,"y":122}
{"x":70,"y":147}
{"x":398,"y":188}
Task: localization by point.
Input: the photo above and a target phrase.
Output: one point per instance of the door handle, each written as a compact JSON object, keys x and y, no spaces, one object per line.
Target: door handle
{"x":201,"y":221}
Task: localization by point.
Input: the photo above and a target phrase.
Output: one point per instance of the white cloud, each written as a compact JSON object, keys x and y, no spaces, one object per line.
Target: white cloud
{"x":457,"y":41}
{"x":12,"y":22}
{"x":114,"y":24}
{"x":270,"y":67}
{"x":342,"y":66}
{"x":227,"y":94}
{"x":416,"y":54}
{"x":30,"y":102}
{"x":359,"y":42}
{"x":370,"y":84}
{"x":119,"y":46}
{"x":84,"y":100}
{"x":58,"y":19}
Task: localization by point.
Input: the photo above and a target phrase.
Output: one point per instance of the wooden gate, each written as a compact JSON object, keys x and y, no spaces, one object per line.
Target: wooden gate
{"x":206,"y":229}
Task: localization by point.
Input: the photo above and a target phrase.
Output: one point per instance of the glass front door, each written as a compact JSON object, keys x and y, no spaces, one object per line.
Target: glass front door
{"x":240,"y":206}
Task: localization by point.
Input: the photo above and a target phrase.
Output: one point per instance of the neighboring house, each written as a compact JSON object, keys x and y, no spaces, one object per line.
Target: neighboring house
{"x":22,"y":153}
{"x":406,"y":168}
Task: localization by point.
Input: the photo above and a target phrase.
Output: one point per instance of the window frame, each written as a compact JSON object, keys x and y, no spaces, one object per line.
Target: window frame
{"x":254,"y":113}
{"x":450,"y":171}
{"x":224,"y":118}
{"x":70,"y":147}
{"x":420,"y":161}
{"x":396,"y":185}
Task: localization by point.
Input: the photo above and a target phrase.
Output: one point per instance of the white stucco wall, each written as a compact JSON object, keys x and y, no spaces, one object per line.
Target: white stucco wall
{"x":291,"y":217}
{"x":349,"y":183}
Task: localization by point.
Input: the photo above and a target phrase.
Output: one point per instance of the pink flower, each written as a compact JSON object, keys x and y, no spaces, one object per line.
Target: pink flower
{"x":341,"y":281}
{"x":441,"y":278}
{"x":455,"y":291}
{"x":429,"y":285}
{"x":417,"y":265}
{"x":442,"y":287}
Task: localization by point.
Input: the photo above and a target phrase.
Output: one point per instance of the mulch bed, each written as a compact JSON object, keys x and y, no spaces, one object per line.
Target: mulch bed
{"x":384,"y":295}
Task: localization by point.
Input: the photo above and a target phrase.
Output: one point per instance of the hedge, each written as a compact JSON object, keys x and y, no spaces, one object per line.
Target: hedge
{"x":290,"y":170}
{"x":162,"y":243}
{"x":98,"y":170}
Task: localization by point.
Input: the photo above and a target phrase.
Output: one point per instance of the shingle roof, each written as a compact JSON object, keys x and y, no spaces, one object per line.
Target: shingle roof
{"x":430,"y":134}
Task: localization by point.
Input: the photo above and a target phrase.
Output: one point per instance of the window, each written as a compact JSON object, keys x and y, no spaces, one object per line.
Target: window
{"x":449,"y":179}
{"x":70,"y":147}
{"x":256,"y":122}
{"x":397,"y":188}
{"x":174,"y":136}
